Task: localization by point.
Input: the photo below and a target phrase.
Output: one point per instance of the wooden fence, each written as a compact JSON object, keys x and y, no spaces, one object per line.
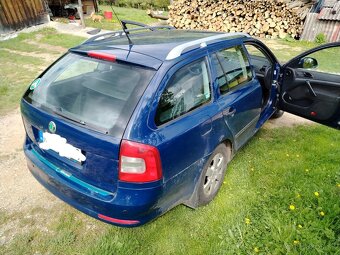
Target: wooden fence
{"x":17,"y":14}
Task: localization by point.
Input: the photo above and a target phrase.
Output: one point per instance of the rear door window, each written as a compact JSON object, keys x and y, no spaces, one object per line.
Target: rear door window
{"x":95,"y":93}
{"x":188,"y":89}
{"x":235,"y":65}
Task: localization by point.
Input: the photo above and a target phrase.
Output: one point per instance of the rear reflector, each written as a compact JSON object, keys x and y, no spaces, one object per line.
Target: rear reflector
{"x":139,"y":162}
{"x":118,"y":221}
{"x":102,"y":55}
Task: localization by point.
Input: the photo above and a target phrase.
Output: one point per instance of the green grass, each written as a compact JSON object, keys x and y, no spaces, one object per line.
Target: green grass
{"x":18,"y":71}
{"x":51,"y":37}
{"x":285,"y":50}
{"x":276,"y":169}
{"x":123,"y":13}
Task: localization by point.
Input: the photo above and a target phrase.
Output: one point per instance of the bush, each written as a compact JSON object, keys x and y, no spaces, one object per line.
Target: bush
{"x":320,"y":38}
{"x":139,"y":4}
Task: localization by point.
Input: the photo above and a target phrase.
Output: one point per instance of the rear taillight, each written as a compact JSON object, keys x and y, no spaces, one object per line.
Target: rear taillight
{"x":139,"y":162}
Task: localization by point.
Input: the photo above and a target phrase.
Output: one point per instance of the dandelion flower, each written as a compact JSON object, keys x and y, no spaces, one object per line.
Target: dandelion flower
{"x":297,"y":155}
{"x":257,"y":250}
{"x":296,"y":242}
{"x":316,"y":194}
{"x":322,"y":213}
{"x":307,"y":170}
{"x":338,"y":185}
{"x":292,"y":207}
{"x":299,"y":226}
{"x":247,"y":221}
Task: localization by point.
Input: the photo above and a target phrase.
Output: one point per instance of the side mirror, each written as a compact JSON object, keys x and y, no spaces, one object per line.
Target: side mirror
{"x":308,"y":63}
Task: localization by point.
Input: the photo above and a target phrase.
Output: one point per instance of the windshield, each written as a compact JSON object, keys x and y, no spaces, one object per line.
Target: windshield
{"x":91,"y":92}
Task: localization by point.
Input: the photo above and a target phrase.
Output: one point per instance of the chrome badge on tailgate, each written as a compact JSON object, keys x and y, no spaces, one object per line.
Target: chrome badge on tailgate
{"x":59,"y":144}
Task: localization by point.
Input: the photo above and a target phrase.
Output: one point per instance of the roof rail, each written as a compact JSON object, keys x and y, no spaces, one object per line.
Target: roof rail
{"x":178,"y":50}
{"x":121,"y":32}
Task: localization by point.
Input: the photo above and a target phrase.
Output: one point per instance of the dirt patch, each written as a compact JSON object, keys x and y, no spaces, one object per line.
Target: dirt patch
{"x":275,"y":45}
{"x":287,"y":120}
{"x":46,"y":46}
{"x":45,"y":56}
{"x":19,"y":190}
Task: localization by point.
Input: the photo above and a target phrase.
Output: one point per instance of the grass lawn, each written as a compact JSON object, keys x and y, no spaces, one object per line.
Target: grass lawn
{"x":24,"y":57}
{"x":281,"y":194}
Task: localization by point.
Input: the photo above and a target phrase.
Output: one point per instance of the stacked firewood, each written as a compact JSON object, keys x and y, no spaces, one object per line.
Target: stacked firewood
{"x":261,"y":18}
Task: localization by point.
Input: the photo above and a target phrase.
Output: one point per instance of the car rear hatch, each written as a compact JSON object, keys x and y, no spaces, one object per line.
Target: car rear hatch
{"x":76,"y":112}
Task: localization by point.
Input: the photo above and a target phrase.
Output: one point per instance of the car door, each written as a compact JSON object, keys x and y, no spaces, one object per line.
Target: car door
{"x":180,"y":119}
{"x":311,"y":85}
{"x":240,"y":95}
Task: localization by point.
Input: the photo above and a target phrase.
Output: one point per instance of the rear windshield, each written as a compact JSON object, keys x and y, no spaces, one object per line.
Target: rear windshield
{"x":91,"y":92}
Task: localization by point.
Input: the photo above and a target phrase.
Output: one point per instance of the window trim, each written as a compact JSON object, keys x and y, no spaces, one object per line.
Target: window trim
{"x":240,"y":85}
{"x":206,"y":60}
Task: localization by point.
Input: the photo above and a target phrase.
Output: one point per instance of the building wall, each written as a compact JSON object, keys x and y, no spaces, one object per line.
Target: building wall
{"x":18,"y":14}
{"x":313,"y":26}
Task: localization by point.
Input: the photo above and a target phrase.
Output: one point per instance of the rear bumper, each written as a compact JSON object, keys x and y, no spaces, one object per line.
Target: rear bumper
{"x":129,"y":206}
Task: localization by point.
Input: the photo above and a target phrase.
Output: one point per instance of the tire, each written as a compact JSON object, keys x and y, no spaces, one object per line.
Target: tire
{"x":213,"y":174}
{"x":277,"y":114}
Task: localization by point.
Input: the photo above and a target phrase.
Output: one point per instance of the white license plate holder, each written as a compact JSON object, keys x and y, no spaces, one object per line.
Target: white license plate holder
{"x":60,"y":145}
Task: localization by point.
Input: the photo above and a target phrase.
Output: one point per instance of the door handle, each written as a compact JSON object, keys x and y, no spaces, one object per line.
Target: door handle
{"x":230,"y":111}
{"x":311,"y":90}
{"x":308,"y":75}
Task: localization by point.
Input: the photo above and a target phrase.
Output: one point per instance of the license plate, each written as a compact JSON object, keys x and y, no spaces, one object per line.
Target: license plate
{"x":59,"y":144}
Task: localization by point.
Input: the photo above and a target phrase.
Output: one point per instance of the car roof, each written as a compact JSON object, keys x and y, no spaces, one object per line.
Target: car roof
{"x":164,"y":44}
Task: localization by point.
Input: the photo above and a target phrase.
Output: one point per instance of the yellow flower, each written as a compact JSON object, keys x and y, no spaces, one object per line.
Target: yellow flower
{"x":338,"y":185}
{"x":296,"y":242}
{"x":287,"y":155}
{"x":292,"y":207}
{"x":252,"y":169}
{"x":257,"y":250}
{"x":316,"y":194}
{"x":307,"y":170}
{"x":247,"y":221}
{"x":297,"y":155}
{"x":322,"y":213}
{"x":299,"y":226}
{"x":298,"y":195}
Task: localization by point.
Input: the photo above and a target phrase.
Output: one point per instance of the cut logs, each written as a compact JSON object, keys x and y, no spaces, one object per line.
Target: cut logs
{"x":261,"y":18}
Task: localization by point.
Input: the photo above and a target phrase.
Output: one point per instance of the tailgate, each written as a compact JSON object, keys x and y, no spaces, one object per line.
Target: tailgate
{"x":100,"y":167}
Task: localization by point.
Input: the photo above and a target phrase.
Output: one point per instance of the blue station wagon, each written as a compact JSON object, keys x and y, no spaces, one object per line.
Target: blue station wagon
{"x":124,"y":129}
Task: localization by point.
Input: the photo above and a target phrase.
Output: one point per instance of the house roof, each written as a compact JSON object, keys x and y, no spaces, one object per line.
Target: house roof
{"x":330,"y":10}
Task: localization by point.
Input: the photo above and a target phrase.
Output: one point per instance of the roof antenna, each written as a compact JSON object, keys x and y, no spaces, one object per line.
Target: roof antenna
{"x":123,"y":27}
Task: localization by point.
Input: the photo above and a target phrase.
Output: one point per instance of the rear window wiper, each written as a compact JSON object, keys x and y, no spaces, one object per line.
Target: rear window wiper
{"x":60,"y":111}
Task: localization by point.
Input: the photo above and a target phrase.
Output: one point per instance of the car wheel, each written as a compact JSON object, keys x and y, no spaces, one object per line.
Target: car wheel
{"x":277,"y":114}
{"x":213,"y":174}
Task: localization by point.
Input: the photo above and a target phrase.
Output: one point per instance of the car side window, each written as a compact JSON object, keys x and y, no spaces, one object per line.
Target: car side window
{"x":235,"y":66}
{"x":187,"y":89}
{"x":221,"y":78}
{"x":258,"y":58}
{"x":327,"y":60}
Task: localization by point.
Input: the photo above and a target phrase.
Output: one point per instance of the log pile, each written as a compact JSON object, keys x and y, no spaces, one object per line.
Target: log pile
{"x":261,"y":18}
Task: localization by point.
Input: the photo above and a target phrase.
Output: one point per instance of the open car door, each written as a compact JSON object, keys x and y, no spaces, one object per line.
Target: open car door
{"x":310,"y":85}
